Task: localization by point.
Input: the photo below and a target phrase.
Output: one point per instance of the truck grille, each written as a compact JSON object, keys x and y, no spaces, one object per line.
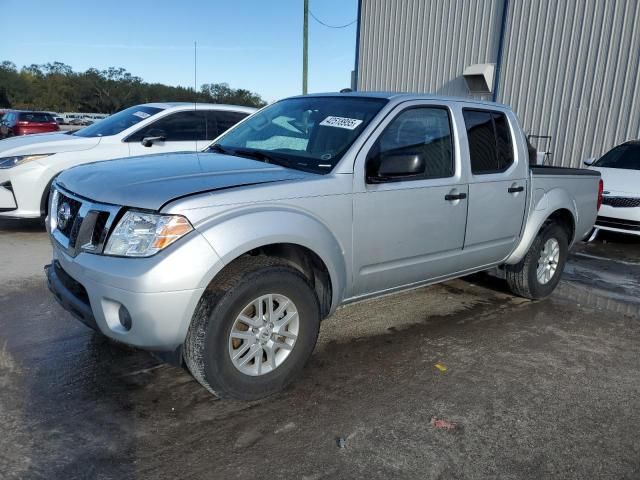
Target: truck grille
{"x":74,"y":207}
{"x":80,"y":224}
{"x":621,"y":202}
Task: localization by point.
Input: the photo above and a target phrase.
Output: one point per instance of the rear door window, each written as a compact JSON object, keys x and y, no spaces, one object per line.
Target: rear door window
{"x":223,"y":121}
{"x":490,"y":142}
{"x":176,"y":127}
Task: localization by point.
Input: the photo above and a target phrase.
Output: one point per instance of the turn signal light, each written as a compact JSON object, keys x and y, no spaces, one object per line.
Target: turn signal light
{"x":600,"y":193}
{"x":171,"y":231}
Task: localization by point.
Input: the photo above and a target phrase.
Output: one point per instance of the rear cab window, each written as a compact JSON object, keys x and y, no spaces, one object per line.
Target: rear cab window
{"x":490,"y":141}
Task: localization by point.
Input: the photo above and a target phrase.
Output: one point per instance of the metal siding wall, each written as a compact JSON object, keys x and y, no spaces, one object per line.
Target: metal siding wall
{"x":570,"y":70}
{"x":424,"y":46}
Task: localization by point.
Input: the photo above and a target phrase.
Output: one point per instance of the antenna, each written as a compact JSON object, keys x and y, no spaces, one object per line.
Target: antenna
{"x":305,"y":46}
{"x":195,"y":83}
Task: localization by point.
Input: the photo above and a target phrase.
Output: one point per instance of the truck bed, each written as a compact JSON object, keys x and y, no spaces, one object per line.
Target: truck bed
{"x":550,"y":170}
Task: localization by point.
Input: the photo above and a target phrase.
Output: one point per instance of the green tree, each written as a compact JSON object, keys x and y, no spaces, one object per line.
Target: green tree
{"x":55,"y":86}
{"x":222,"y":93}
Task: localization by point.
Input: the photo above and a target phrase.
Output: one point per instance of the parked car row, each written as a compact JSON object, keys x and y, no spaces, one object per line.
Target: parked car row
{"x":76,"y":119}
{"x":81,"y":121}
{"x":16,"y":122}
{"x":29,"y":164}
{"x":227,"y":258}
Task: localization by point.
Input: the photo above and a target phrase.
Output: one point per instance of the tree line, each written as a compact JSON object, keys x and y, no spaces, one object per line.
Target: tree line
{"x":56,"y":87}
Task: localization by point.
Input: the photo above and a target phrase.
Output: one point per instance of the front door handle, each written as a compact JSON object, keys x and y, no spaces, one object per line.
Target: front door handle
{"x":515,"y":189}
{"x":450,"y":196}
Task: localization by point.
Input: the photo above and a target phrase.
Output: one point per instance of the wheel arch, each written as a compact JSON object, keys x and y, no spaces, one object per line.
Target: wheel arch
{"x":302,"y":259}
{"x":556,"y":206}
{"x":44,"y":201}
{"x":299,"y":239}
{"x":566,"y":220}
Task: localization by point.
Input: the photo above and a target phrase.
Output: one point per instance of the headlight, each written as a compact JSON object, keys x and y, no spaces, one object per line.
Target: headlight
{"x":53,"y":210}
{"x":8,"y":162}
{"x":140,"y":234}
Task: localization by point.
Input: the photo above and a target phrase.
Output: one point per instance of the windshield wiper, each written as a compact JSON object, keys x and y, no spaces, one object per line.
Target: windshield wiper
{"x":255,"y":154}
{"x":252,"y":154}
{"x":218,"y":148}
{"x":259,"y":155}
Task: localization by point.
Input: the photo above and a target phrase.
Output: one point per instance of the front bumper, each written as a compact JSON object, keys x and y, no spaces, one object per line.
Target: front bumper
{"x":616,"y":219}
{"x":70,"y":294}
{"x":618,"y":225}
{"x":7,"y":198}
{"x":21,"y":190}
{"x":160,"y":293}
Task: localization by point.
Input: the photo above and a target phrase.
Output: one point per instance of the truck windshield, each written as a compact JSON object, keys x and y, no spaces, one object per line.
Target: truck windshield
{"x":305,"y":133}
{"x":625,"y":156}
{"x":118,"y":122}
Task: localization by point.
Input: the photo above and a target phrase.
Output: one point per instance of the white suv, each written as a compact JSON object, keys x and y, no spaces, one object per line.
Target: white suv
{"x":620,"y":171}
{"x":29,"y":163}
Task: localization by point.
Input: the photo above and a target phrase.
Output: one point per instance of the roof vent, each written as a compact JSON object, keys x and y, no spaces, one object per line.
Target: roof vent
{"x":479,"y":77}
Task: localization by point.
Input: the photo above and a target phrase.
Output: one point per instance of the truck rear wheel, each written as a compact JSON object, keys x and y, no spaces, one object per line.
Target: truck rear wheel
{"x":254,"y":330}
{"x":538,"y":273}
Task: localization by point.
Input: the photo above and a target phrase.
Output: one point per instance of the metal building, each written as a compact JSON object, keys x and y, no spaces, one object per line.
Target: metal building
{"x":568,"y":68}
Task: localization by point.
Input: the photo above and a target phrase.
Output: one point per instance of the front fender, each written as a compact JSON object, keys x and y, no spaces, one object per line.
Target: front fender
{"x":243,"y":230}
{"x":543,"y":205}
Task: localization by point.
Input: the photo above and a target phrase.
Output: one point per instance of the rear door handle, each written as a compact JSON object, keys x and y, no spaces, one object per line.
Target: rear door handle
{"x":515,"y":189}
{"x":450,"y":196}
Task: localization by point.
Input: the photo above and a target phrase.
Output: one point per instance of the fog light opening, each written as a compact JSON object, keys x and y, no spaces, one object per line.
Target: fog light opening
{"x":125,"y":317}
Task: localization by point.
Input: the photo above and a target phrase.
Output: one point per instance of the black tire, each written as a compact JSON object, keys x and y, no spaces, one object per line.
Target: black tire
{"x":205,"y":349}
{"x":522,"y":277}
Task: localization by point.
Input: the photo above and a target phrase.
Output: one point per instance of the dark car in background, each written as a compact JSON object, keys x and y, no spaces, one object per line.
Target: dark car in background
{"x":24,"y":123}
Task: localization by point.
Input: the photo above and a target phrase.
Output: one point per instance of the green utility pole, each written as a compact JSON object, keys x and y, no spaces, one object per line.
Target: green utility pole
{"x":305,"y":46}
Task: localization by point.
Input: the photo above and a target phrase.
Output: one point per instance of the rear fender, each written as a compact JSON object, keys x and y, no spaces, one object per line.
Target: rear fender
{"x":544,"y":204}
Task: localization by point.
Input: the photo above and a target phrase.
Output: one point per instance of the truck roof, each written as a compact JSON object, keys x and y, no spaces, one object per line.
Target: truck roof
{"x":405,"y":96}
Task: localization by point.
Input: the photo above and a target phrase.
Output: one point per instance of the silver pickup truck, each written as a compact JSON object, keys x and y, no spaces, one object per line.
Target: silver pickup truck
{"x":227,"y":260}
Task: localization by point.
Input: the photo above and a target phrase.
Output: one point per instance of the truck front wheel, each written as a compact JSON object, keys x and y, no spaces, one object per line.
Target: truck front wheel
{"x":254,"y":330}
{"x":538,"y":273}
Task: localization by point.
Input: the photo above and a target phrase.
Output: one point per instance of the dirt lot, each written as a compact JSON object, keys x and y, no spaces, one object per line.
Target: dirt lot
{"x":528,"y":389}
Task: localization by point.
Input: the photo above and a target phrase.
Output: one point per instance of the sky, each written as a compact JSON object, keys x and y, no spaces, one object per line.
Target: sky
{"x":252,"y":44}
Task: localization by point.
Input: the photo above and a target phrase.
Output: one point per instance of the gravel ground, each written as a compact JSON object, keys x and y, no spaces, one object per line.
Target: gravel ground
{"x":459,"y":380}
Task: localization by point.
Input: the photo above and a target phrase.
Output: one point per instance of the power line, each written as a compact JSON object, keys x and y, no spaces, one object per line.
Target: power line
{"x":331,"y":26}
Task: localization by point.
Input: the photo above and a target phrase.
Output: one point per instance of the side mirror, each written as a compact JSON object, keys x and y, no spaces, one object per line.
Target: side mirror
{"x":589,"y":161}
{"x":398,"y":166}
{"x":148,"y":141}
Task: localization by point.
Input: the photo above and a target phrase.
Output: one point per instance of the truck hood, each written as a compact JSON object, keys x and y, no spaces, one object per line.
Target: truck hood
{"x":151,"y":181}
{"x":620,"y":180}
{"x":45,"y":143}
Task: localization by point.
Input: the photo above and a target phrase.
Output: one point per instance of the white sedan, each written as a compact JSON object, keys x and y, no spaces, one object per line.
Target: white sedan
{"x":29,"y":163}
{"x":620,"y":171}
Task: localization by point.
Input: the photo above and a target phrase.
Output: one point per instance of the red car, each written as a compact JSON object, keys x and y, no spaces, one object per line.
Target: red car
{"x":25,"y":123}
